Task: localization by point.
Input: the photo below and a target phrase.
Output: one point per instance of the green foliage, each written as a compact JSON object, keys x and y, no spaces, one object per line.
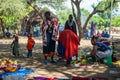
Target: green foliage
{"x":105,"y":15}
{"x":12,"y":10}
{"x":55,"y":4}
{"x":97,"y":19}
{"x":63,"y":15}
{"x":45,"y":8}
{"x":85,"y":12}
{"x":104,"y":3}
{"x":100,"y":21}
{"x":116,"y":22}
{"x":11,"y":7}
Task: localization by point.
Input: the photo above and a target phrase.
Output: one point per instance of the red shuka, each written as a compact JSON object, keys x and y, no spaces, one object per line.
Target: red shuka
{"x":70,"y":42}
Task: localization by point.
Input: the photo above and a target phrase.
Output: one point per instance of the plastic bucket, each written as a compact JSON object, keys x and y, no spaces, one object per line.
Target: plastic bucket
{"x":108,"y":60}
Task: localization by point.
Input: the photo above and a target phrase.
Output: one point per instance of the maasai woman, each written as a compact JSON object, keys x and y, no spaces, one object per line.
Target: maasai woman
{"x":70,"y":24}
{"x":68,"y":45}
{"x":49,"y":36}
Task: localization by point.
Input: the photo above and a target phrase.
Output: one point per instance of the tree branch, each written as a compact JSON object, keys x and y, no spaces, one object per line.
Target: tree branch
{"x":73,"y":1}
{"x":97,"y":11}
{"x":79,"y":0}
{"x":73,"y":10}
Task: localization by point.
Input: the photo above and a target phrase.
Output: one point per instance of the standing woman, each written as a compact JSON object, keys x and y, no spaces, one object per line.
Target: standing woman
{"x":49,"y":36}
{"x":70,"y":24}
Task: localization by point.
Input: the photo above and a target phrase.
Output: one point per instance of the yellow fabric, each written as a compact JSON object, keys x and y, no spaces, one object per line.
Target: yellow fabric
{"x":49,"y":54}
{"x":117,"y":63}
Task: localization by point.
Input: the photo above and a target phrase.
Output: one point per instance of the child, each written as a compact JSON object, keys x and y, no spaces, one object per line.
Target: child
{"x":30,"y":45}
{"x":15,"y":46}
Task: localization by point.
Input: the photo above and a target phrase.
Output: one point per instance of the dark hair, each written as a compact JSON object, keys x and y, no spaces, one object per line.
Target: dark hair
{"x":94,"y":37}
{"x":47,"y":13}
{"x":70,"y":15}
{"x":30,"y":35}
{"x":16,"y":37}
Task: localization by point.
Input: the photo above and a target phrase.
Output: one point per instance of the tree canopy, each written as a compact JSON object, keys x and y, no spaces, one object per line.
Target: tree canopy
{"x":11,"y":11}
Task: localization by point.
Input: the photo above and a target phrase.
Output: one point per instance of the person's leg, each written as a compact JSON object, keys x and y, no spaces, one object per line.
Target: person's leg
{"x":52,"y":49}
{"x":45,"y":58}
{"x":18,"y":53}
{"x":28,"y":55}
{"x":104,"y":54}
{"x":68,"y":62}
{"x":13,"y":51}
{"x":45,"y":52}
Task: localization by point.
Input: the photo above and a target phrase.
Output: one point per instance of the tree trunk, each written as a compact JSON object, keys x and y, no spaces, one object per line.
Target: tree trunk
{"x":80,"y":30}
{"x":77,"y":17}
{"x":3,"y":27}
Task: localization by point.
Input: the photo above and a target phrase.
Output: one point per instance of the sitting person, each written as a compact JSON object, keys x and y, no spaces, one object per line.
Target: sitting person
{"x":106,"y":35}
{"x":99,"y":34}
{"x":100,"y":50}
{"x":8,"y":34}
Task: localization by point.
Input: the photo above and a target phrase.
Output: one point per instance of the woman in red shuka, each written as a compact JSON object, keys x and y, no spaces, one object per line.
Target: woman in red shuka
{"x":68,"y":45}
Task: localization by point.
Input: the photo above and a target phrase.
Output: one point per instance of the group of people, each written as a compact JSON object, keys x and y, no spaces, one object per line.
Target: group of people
{"x":36,"y":30}
{"x":15,"y":46}
{"x":104,"y":34}
{"x":68,"y":41}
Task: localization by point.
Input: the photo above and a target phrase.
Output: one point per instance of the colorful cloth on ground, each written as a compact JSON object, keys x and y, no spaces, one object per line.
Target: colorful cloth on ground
{"x":44,"y":78}
{"x":22,"y":72}
{"x":73,"y":78}
{"x":88,"y":78}
{"x":30,"y":44}
{"x":70,"y":42}
{"x":71,"y":26}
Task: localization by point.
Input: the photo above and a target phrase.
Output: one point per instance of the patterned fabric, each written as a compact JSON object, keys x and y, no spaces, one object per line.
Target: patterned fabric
{"x":71,"y":26}
{"x":44,"y":34}
{"x":18,"y":75}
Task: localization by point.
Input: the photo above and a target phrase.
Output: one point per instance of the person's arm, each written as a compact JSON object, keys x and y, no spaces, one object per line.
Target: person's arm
{"x":11,"y":44}
{"x":33,"y":43}
{"x":93,"y":52}
{"x":66,"y":26}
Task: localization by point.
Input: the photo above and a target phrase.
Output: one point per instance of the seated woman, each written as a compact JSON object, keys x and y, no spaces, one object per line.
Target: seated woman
{"x":68,"y":45}
{"x":106,"y":35}
{"x":100,"y":50}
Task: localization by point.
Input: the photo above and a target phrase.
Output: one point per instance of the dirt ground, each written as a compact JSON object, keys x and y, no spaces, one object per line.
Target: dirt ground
{"x":52,"y":70}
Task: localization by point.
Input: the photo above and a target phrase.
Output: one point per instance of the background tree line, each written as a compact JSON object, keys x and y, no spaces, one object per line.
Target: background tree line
{"x":12,"y":11}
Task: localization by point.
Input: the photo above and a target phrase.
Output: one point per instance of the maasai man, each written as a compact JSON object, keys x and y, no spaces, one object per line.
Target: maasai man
{"x":49,"y":36}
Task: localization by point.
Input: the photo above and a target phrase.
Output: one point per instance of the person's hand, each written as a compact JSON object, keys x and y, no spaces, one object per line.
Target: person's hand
{"x":32,"y":45}
{"x":83,"y":57}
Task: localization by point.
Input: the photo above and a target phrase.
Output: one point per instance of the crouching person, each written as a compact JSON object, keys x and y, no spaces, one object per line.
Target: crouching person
{"x":100,"y":50}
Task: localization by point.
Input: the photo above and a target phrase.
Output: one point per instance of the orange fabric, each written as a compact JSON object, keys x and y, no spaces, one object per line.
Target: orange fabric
{"x":30,"y":44}
{"x":49,"y":54}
